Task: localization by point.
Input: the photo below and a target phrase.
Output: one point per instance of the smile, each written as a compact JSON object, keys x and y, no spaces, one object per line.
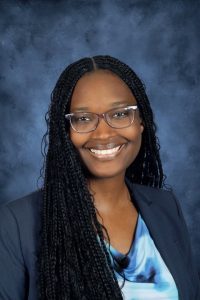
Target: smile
{"x":106,"y":153}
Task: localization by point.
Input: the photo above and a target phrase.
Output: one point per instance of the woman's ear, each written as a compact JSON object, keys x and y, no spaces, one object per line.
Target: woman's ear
{"x":141,"y":123}
{"x":141,"y":126}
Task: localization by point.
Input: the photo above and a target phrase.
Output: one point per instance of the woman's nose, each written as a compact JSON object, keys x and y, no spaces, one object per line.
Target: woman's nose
{"x":103,"y":130}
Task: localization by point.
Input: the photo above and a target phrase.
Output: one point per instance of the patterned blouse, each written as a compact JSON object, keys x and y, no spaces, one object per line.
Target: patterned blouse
{"x":146,"y":275}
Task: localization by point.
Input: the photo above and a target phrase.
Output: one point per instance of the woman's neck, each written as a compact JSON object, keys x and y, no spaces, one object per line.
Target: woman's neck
{"x":109,"y":193}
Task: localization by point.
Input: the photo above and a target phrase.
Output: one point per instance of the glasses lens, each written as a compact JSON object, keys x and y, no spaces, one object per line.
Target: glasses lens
{"x":84,"y":122}
{"x":121,"y":117}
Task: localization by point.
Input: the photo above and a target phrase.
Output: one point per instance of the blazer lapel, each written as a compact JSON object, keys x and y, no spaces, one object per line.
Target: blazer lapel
{"x":165,"y":241}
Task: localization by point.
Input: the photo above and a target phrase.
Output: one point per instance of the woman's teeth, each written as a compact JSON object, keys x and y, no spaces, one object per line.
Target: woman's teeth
{"x":105,"y":152}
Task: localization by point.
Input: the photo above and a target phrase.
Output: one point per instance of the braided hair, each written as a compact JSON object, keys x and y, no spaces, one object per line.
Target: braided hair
{"x":72,"y":262}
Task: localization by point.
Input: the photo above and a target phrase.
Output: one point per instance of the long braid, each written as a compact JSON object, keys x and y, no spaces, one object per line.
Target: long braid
{"x":73,"y":263}
{"x":91,"y":207}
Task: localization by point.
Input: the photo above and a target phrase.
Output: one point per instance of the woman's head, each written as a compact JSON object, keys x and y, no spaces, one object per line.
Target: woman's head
{"x":109,"y":144}
{"x":80,"y":84}
{"x":73,"y":263}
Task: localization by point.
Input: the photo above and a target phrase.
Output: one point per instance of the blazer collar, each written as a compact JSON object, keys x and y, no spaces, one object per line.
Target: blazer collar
{"x":162,"y":233}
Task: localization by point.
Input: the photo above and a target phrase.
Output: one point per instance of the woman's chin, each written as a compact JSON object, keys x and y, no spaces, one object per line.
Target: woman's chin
{"x":104,"y":174}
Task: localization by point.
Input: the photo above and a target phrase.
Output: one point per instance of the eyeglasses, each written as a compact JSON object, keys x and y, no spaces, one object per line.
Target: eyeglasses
{"x":84,"y":122}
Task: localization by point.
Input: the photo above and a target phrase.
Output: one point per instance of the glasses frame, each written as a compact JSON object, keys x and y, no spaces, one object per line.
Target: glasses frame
{"x":103,"y":116}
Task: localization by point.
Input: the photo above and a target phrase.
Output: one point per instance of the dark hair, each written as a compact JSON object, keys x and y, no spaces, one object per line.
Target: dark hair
{"x":73,"y":263}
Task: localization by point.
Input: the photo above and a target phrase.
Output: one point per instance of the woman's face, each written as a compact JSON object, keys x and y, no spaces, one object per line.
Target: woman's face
{"x":99,"y":92}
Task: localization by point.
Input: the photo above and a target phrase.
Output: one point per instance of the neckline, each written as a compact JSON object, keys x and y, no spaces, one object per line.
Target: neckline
{"x":116,"y":252}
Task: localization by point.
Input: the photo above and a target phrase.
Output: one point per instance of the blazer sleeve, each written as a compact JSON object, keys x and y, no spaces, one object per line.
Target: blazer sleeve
{"x":12,"y":267}
{"x":189,"y":258}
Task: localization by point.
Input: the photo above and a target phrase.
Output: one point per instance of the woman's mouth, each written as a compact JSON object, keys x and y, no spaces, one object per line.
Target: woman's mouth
{"x":106,"y":153}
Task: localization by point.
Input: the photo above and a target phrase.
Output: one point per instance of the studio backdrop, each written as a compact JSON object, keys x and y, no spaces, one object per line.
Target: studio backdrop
{"x":158,"y":39}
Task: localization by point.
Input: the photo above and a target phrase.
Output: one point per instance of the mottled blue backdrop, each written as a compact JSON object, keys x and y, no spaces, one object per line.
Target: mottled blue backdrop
{"x":158,"y":39}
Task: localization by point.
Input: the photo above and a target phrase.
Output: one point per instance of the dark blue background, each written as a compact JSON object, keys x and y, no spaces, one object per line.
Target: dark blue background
{"x":158,"y":39}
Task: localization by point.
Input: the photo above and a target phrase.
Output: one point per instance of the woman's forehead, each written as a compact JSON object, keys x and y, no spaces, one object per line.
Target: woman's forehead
{"x":100,"y":86}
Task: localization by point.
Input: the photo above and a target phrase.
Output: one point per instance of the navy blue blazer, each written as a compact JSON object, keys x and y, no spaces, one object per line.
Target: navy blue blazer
{"x":19,"y":238}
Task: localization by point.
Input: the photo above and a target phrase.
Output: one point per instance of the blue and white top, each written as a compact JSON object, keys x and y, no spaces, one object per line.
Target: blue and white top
{"x":147,"y":276}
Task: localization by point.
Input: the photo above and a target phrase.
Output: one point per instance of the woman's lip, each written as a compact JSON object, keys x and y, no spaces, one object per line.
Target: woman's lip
{"x":104,"y":146}
{"x":107,"y":156}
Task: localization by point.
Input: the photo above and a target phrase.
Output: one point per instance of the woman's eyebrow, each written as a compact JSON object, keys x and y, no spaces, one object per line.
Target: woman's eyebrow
{"x":113,"y":104}
{"x":77,"y":109}
{"x":120,"y":103}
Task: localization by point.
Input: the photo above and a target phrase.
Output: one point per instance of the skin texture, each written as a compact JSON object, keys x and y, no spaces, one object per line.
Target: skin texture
{"x":98,"y":92}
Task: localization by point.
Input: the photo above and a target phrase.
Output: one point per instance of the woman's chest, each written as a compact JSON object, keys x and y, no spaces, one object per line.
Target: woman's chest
{"x":120,"y":226}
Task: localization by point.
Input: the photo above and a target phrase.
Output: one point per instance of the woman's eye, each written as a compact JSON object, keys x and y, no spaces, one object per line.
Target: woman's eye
{"x":82,"y":119}
{"x":120,"y":114}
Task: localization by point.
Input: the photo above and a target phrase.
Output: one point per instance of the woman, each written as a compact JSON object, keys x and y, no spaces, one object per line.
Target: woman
{"x":102,"y":227}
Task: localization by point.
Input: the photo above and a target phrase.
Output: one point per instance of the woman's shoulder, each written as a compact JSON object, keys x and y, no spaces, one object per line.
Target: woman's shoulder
{"x":163,"y":199}
{"x":21,"y":217}
{"x":19,"y":241}
{"x":24,"y":207}
{"x":152,"y":193}
{"x":25,"y":200}
{"x":150,"y":189}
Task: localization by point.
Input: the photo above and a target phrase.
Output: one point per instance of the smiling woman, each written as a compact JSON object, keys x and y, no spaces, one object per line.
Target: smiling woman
{"x":103,"y":226}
